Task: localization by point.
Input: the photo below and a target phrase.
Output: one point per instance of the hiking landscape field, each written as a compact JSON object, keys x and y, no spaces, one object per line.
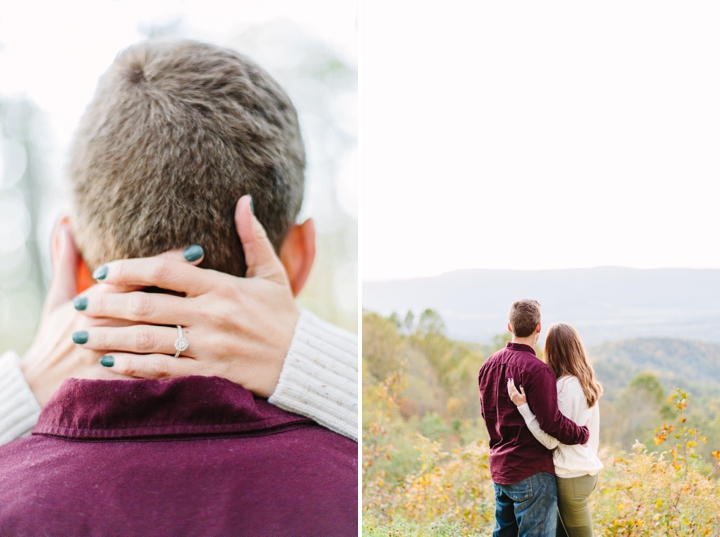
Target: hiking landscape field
{"x":425,"y":452}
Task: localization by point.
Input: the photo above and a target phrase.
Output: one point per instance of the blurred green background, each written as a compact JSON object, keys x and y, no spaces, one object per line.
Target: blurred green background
{"x":50,"y":58}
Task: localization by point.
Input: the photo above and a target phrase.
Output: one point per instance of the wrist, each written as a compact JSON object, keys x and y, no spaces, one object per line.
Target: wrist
{"x":270,"y":366}
{"x":41,"y":377}
{"x":29,"y":372}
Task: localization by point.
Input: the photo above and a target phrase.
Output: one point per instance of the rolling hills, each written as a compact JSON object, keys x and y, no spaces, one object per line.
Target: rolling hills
{"x":604,"y":304}
{"x":690,"y":365}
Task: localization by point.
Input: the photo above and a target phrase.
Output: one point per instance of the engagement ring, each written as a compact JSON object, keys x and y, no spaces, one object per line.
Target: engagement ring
{"x":181,"y":344}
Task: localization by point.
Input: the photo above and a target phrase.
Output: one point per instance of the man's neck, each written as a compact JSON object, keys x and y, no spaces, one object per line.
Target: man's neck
{"x":529,"y":341}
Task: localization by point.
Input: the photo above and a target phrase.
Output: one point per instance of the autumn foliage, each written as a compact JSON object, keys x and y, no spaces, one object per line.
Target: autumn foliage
{"x":416,"y":485}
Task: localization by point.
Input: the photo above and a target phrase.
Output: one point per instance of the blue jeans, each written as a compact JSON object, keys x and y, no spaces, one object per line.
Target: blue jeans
{"x":527,"y":508}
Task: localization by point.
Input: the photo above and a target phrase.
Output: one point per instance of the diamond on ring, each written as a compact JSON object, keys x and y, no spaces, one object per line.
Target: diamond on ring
{"x":181,"y":344}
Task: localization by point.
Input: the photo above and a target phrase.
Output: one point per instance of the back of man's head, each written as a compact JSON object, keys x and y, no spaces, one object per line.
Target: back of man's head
{"x":176,"y":133}
{"x":524,"y":317}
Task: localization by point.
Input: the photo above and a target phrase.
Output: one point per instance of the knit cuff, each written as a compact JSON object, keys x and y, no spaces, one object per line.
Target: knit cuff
{"x":19,"y":410}
{"x":319,"y":378}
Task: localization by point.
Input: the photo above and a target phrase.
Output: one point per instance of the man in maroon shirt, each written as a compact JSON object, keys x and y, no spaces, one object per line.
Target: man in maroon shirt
{"x":176,"y":133}
{"x":185,"y":456}
{"x":522,"y":469}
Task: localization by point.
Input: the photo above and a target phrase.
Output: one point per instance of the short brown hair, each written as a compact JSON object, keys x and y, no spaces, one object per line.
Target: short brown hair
{"x":176,"y":133}
{"x":524,"y":316}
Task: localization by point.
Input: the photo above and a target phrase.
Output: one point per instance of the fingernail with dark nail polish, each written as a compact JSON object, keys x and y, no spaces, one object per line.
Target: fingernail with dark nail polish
{"x":100,"y":272}
{"x":80,"y":337}
{"x":80,"y":303}
{"x":107,"y":361}
{"x":252,"y":206}
{"x":193,"y":253}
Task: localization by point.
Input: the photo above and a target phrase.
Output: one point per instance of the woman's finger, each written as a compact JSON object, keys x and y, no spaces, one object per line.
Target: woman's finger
{"x":192,"y":255}
{"x":260,"y":256}
{"x":156,"y":272}
{"x":106,"y":321}
{"x":138,"y":306}
{"x":149,"y":366}
{"x":137,"y":339}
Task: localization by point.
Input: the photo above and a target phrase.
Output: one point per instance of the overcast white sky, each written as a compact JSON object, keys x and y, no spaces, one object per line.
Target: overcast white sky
{"x":539,"y":135}
{"x":53,"y":52}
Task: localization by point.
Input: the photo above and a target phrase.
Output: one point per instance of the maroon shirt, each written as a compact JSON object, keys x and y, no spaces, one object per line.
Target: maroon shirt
{"x":189,"y":456}
{"x":515,"y":454}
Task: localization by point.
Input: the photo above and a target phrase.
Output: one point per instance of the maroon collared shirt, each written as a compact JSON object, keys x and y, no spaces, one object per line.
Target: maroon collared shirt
{"x":515,"y":454}
{"x":188,"y":456}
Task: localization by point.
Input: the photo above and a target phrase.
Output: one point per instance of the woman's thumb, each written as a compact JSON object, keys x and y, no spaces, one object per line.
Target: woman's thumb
{"x":260,"y":256}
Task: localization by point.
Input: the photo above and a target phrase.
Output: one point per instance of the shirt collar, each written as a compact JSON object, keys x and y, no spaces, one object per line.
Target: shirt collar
{"x":97,"y":409}
{"x":519,"y":347}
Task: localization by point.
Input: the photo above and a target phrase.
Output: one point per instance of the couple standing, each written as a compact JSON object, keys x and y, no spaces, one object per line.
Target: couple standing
{"x":544,"y":437}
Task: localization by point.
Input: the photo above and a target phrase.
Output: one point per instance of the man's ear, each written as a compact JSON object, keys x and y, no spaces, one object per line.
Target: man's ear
{"x":510,"y":328}
{"x":67,"y":265}
{"x":83,"y":277}
{"x":538,"y":328}
{"x":297,"y":254}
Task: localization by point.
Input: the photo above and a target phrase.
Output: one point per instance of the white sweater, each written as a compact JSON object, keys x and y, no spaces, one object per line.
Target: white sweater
{"x":319,"y":380}
{"x":577,"y":460}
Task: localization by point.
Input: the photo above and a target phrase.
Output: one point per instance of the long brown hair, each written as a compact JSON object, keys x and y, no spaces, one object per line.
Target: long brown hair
{"x":565,"y":354}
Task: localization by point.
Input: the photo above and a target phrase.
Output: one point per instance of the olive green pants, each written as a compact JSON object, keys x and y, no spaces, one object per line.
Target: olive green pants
{"x":574,"y":518}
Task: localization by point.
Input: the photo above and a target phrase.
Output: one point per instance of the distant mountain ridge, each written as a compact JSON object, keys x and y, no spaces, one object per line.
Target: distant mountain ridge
{"x":690,"y":365}
{"x":605,"y":303}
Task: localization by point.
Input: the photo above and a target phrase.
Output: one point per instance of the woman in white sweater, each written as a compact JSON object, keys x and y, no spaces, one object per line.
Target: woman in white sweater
{"x":576,"y":467}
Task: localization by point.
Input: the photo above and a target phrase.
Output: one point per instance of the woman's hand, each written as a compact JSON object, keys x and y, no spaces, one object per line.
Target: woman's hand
{"x":53,"y":357}
{"x":237,"y":328}
{"x":517,"y":397}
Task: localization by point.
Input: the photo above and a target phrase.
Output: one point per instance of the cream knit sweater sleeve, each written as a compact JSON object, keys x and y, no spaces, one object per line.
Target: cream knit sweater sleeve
{"x":550,"y":442}
{"x":319,"y":380}
{"x":19,"y":410}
